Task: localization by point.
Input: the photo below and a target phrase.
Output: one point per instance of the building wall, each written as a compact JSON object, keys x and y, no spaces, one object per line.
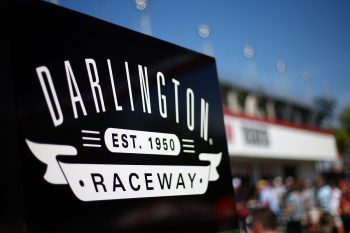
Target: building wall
{"x":257,"y":138}
{"x":283,"y":138}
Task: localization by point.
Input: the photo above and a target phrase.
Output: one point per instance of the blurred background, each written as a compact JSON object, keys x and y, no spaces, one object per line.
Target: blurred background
{"x":284,"y":72}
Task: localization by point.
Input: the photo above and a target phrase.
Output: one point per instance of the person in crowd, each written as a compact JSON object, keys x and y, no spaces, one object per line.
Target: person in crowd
{"x":334,"y":208}
{"x":311,"y":211}
{"x":323,"y":195}
{"x":240,"y":199}
{"x":323,"y":199}
{"x":278,"y":190}
{"x":345,"y":204}
{"x":266,"y":197}
{"x":264,"y":221}
{"x":289,"y":181}
{"x":308,"y":195}
{"x":294,"y":208}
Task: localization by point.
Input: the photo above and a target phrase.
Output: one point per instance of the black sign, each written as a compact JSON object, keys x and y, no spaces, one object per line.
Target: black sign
{"x":117,"y":131}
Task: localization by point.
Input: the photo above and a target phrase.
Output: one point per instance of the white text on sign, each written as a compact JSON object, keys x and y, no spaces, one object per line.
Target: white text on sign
{"x":141,"y":142}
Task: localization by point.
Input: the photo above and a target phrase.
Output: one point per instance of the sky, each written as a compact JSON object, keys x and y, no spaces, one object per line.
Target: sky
{"x":309,"y":39}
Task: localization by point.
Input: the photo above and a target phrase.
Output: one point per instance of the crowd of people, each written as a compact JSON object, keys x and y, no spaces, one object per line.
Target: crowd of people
{"x":299,"y":205}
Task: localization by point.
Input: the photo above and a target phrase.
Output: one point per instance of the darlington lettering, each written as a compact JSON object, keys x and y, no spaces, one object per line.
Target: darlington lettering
{"x":78,"y":105}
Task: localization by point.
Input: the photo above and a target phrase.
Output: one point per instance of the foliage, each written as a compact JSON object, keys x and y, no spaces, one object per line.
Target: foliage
{"x":324,"y":108}
{"x":342,"y":139}
{"x":344,"y":119}
{"x":342,"y":134}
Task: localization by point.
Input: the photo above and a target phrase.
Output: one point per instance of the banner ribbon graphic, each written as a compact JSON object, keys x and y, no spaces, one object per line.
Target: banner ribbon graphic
{"x":95,"y":182}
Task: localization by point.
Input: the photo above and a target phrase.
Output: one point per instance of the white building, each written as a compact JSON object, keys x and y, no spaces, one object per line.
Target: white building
{"x":269,"y":136}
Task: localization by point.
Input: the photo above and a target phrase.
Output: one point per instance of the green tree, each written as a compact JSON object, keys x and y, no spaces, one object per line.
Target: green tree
{"x":342,"y":137}
{"x":344,"y":119}
{"x":324,"y":108}
{"x":342,"y":134}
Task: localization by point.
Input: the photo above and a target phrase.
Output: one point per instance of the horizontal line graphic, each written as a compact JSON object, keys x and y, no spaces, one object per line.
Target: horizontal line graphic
{"x":189,"y":151}
{"x":187,"y":140}
{"x":91,"y":138}
{"x":91,"y":145}
{"x":90,"y":131}
{"x":188,"y":146}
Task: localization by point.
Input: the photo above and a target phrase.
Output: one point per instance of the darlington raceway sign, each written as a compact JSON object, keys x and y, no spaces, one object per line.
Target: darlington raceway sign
{"x":92,"y":182}
{"x":114,"y":125}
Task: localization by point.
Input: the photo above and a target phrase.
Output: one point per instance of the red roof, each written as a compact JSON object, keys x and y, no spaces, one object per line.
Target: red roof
{"x":276,"y":122}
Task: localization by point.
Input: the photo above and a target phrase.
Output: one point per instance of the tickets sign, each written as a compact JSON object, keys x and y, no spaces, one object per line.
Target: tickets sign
{"x":114,"y":125}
